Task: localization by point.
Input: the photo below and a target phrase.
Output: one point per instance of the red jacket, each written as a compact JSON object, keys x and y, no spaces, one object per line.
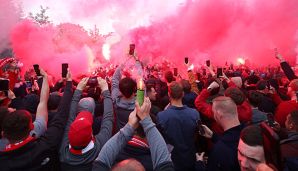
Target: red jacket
{"x":283,"y":109}
{"x":244,"y":110}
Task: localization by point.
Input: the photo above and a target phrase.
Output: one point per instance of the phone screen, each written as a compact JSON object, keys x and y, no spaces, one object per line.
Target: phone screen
{"x":219,"y":72}
{"x":132,"y":49}
{"x":186,"y":60}
{"x":36,"y":69}
{"x":208,"y":63}
{"x":4,"y":85}
{"x":64,"y":70}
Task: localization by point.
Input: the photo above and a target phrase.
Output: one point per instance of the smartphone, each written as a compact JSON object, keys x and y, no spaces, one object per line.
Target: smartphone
{"x":219,"y":72}
{"x":204,"y":72}
{"x":36,"y":69}
{"x":271,"y":144}
{"x":175,"y":71}
{"x":208,"y":63}
{"x":270,"y":120}
{"x":4,"y":85}
{"x":132,"y":49}
{"x":64,"y":70}
{"x":200,"y":127}
{"x":29,"y":84}
{"x":186,"y":60}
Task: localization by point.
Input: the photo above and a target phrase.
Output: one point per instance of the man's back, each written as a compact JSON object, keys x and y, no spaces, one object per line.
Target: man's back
{"x":179,"y":124}
{"x":224,"y":153}
{"x":35,"y":155}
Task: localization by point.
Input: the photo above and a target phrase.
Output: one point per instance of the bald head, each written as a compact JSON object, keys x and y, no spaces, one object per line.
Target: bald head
{"x":225,"y":106}
{"x":128,"y":165}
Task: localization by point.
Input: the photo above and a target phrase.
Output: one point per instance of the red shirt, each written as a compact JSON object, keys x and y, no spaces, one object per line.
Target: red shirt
{"x":283,"y":109}
{"x":244,"y":110}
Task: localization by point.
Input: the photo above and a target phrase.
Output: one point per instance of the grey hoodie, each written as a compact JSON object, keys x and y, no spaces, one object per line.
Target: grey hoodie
{"x":123,"y":107}
{"x":74,"y":162}
{"x":88,"y":104}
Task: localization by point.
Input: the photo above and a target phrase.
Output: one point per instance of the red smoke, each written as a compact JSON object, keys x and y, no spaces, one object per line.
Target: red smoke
{"x":50,"y":46}
{"x":223,"y":31}
{"x":200,"y":29}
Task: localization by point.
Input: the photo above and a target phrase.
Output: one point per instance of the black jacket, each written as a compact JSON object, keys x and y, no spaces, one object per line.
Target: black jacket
{"x":141,"y":154}
{"x":39,"y":154}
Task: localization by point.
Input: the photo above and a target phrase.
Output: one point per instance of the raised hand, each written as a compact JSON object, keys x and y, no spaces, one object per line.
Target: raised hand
{"x":133,"y":120}
{"x":102,"y":84}
{"x":83,"y":83}
{"x":144,"y":110}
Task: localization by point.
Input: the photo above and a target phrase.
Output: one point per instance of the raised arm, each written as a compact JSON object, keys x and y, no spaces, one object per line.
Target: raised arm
{"x":54,"y":134}
{"x":107,"y":123}
{"x":285,"y":67}
{"x":112,"y":148}
{"x":158,"y":148}
{"x":42,"y":108}
{"x":73,"y":109}
{"x":115,"y":83}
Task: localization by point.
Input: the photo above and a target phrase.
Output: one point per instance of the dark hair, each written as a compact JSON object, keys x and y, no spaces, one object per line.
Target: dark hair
{"x":254,"y":98}
{"x":236,"y":94}
{"x":127,"y":87}
{"x":175,"y":90}
{"x":261,"y":85}
{"x":149,"y":88}
{"x":169,"y":76}
{"x":252,"y":135}
{"x":186,"y":86}
{"x":3,"y":112}
{"x":54,"y":101}
{"x":16,"y":125}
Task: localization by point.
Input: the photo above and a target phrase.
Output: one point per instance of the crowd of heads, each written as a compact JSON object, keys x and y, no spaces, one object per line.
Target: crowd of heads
{"x":231,"y":97}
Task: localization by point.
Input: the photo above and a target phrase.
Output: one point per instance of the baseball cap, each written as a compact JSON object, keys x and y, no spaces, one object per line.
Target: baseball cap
{"x":80,"y":132}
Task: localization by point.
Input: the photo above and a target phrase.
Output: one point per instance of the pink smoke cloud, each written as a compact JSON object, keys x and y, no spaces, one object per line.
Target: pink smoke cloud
{"x":50,"y":46}
{"x":223,"y":31}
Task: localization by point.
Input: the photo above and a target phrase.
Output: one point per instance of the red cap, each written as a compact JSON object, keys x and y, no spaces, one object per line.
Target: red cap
{"x":80,"y":132}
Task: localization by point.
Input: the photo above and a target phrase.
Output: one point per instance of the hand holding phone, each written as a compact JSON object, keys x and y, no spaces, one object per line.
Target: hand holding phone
{"x":200,"y":127}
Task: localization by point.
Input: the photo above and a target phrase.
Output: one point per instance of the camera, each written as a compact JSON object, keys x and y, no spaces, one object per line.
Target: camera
{"x":92,"y":82}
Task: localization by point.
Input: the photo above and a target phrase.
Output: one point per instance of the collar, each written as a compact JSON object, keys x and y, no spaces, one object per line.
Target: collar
{"x":177,"y":108}
{"x":89,"y":147}
{"x":138,"y":142}
{"x":11,"y":147}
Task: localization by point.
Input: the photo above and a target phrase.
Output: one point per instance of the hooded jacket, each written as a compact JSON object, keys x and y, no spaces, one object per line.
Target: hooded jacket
{"x":72,"y":162}
{"x":122,"y":107}
{"x":39,"y":154}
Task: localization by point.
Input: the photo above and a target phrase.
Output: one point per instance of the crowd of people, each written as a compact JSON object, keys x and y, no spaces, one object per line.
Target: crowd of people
{"x":240,"y":119}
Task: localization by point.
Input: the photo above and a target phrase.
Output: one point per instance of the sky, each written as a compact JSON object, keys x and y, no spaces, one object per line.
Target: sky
{"x":103,"y":13}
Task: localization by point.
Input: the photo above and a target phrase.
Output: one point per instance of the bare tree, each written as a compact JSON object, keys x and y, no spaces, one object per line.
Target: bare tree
{"x":41,"y":18}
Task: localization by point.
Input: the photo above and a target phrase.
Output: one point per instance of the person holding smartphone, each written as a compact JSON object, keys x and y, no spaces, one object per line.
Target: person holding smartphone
{"x":223,"y":155}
